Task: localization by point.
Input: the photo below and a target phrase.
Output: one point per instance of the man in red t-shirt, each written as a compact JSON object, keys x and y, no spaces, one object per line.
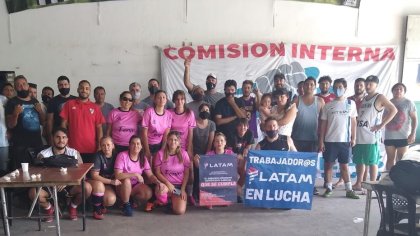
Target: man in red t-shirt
{"x":84,"y":120}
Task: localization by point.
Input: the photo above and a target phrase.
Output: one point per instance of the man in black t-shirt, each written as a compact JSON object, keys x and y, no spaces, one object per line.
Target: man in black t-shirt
{"x":24,"y":117}
{"x":228,"y":109}
{"x":56,"y":104}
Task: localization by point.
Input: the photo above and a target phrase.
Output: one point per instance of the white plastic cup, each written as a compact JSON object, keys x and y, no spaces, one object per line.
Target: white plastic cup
{"x":357,"y":220}
{"x":26,"y":176}
{"x":25,"y":167}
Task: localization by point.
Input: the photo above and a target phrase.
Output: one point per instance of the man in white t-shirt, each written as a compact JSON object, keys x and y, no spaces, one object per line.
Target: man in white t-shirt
{"x":337,"y":136}
{"x":60,"y":147}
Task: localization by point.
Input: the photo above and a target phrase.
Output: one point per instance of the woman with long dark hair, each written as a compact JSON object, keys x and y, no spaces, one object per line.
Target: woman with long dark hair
{"x":285,"y":113}
{"x":129,"y":168}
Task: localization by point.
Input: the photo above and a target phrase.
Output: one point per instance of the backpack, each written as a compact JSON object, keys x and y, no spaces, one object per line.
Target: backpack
{"x":406,"y":175}
{"x":61,"y":160}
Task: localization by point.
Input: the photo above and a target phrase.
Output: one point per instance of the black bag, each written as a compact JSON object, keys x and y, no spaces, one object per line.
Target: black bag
{"x":61,"y":160}
{"x":406,"y":175}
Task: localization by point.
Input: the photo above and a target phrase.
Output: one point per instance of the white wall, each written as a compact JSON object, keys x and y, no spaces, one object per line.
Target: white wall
{"x":67,"y":39}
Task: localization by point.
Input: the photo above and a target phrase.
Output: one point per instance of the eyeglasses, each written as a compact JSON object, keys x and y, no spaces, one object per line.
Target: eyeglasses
{"x":125,"y":99}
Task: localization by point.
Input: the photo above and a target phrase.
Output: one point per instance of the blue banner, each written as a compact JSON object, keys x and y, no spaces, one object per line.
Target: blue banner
{"x":277,"y":179}
{"x":218,"y":178}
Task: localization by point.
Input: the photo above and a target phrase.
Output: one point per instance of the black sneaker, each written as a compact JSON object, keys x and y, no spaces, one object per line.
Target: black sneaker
{"x":316,"y":192}
{"x":127,"y":210}
{"x":239,"y":199}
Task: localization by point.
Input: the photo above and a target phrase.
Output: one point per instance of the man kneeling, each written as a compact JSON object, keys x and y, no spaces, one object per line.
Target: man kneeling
{"x":60,"y":147}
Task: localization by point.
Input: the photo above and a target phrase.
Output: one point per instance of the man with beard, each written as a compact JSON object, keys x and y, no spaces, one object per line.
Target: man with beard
{"x":211,"y":96}
{"x":24,"y":117}
{"x":33,"y":90}
{"x":251,"y":105}
{"x":154,"y":86}
{"x":56,"y":104}
{"x":84,"y":120}
{"x":370,"y":122}
{"x":59,"y":147}
{"x":47,"y":94}
{"x":280,"y":82}
{"x":359,"y":92}
{"x":324,"y":85}
{"x":228,"y":109}
{"x":197,"y":92}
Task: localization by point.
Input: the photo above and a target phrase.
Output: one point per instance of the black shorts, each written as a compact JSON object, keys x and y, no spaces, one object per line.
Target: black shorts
{"x":306,"y":146}
{"x":396,"y":142}
{"x":154,"y":148}
{"x":334,"y":151}
{"x":119,"y":148}
{"x":88,"y":157}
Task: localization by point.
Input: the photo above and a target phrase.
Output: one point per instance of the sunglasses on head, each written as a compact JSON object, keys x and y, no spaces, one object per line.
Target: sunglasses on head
{"x":125,"y":99}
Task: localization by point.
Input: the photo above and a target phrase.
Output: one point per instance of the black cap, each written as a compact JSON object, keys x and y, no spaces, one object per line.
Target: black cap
{"x":372,"y":78}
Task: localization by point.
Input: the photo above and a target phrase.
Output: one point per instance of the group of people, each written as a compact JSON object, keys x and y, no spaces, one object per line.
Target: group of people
{"x":148,"y":150}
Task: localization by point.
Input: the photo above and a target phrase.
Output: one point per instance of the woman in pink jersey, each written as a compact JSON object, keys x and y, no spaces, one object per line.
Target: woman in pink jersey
{"x":183,"y":121}
{"x":156,"y":124}
{"x":129,"y":167}
{"x":172,"y":166}
{"x":123,"y":122}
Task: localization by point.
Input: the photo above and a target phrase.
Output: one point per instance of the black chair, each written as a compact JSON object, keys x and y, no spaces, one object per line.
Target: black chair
{"x":396,"y":205}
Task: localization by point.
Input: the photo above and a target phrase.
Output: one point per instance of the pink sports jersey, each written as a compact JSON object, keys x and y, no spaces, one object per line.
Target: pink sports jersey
{"x":126,"y":165}
{"x":182,"y":123}
{"x":124,"y":125}
{"x":156,"y":124}
{"x":171,"y":168}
